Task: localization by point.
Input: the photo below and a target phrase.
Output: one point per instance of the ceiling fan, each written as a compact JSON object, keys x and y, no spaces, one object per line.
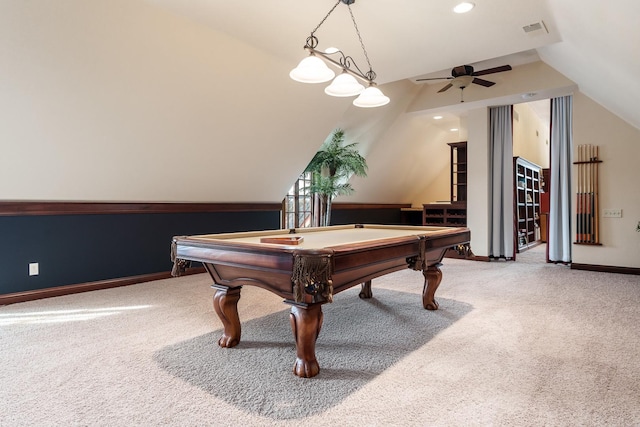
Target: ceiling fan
{"x":463,"y":75}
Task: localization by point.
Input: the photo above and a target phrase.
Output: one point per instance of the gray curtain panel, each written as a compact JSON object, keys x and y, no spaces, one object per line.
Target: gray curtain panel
{"x":501,"y":244}
{"x":560,"y":192}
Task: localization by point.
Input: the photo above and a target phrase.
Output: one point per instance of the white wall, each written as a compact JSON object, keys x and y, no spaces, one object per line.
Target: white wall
{"x":478,"y":180}
{"x":530,"y":135}
{"x":404,"y":163}
{"x":121,"y":100}
{"x":619,"y":178}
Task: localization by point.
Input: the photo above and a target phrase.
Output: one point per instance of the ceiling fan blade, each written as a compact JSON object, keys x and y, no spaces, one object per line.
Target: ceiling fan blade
{"x":435,"y":78}
{"x":492,"y":70}
{"x":445,"y":88}
{"x":482,"y":82}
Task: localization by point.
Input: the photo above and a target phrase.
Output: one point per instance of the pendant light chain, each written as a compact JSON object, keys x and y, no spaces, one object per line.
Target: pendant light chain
{"x":325,"y":18}
{"x":371,"y":73}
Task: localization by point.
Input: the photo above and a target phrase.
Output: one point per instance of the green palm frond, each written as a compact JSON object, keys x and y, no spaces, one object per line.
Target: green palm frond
{"x":331,"y":168}
{"x":329,"y":186}
{"x":338,"y":159}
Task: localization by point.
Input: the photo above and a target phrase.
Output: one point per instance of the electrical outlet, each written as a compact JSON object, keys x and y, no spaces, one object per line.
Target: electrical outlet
{"x":34,"y":269}
{"x":612,"y":213}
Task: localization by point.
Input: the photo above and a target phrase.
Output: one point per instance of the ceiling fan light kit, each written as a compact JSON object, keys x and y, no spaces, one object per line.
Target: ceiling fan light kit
{"x":462,"y":81}
{"x":462,"y":76}
{"x":313,"y":69}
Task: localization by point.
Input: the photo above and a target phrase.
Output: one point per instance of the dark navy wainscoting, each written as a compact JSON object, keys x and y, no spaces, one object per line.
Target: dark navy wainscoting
{"x":75,"y":247}
{"x":388,"y":216}
{"x":72,"y":249}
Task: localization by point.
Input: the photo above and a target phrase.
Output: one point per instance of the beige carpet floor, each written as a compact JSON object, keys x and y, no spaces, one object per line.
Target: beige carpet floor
{"x":514,"y":344}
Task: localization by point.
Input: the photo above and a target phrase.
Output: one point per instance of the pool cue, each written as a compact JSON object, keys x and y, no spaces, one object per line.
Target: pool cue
{"x":585,"y":196}
{"x":594,"y":211}
{"x":587,"y":169}
{"x":578,"y":199}
{"x":592,"y":236}
{"x":579,"y":207}
{"x":591,"y":197}
{"x":587,"y":189}
{"x":597,"y":214}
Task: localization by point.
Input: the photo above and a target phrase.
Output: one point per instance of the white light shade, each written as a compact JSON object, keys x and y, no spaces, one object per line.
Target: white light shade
{"x":371,"y":97}
{"x":462,"y":81}
{"x":344,"y":85}
{"x":312,"y":70}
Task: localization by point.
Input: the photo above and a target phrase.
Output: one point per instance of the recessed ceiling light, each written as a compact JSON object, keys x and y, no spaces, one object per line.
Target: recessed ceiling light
{"x":437,"y":117}
{"x":464,"y":7}
{"x":453,"y":129}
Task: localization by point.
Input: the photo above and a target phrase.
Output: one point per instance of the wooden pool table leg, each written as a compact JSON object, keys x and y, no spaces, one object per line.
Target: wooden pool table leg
{"x":432,"y":277}
{"x":306,"y":322}
{"x":365,"y":291}
{"x":225,"y":303}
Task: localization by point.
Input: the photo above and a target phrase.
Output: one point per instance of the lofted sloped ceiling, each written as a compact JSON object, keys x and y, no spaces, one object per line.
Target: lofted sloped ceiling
{"x":89,"y":89}
{"x":589,"y":41}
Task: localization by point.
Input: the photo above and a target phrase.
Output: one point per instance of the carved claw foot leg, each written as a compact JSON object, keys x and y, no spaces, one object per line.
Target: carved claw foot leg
{"x":225,"y":303}
{"x":306,"y":323}
{"x":432,"y":278}
{"x":365,"y":292}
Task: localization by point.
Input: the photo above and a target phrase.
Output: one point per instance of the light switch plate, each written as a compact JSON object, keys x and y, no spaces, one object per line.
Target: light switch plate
{"x":612,"y":213}
{"x":34,"y":269}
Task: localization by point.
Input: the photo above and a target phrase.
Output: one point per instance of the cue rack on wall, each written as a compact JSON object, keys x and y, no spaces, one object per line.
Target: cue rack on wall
{"x":587,"y":222}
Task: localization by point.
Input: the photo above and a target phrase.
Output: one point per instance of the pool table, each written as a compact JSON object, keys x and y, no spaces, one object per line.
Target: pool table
{"x":309,"y":266}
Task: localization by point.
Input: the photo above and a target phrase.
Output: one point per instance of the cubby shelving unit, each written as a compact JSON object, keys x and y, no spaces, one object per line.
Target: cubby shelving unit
{"x":527,"y":180}
{"x":445,"y":215}
{"x":458,"y":171}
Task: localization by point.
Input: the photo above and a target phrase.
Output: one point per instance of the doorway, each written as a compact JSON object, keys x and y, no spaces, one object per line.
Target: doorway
{"x":531,"y":151}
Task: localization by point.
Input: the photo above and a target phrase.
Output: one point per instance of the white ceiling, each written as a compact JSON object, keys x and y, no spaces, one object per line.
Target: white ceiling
{"x":591,"y":42}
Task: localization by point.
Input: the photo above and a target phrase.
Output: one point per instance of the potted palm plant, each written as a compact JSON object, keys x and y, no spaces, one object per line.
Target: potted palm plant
{"x":331,"y":167}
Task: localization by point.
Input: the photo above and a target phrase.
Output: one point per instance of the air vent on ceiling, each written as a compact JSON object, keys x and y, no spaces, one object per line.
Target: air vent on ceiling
{"x":536,"y":28}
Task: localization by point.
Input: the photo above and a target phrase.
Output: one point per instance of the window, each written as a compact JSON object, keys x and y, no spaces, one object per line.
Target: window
{"x":298,"y":205}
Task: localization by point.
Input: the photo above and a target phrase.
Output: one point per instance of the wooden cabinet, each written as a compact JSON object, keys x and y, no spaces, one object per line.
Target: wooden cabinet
{"x":544,"y":229}
{"x":445,"y":214}
{"x":411,"y":216}
{"x":527,"y":180}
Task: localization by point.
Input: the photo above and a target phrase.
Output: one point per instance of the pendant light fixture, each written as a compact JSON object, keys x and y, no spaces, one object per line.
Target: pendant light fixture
{"x":313,"y":69}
